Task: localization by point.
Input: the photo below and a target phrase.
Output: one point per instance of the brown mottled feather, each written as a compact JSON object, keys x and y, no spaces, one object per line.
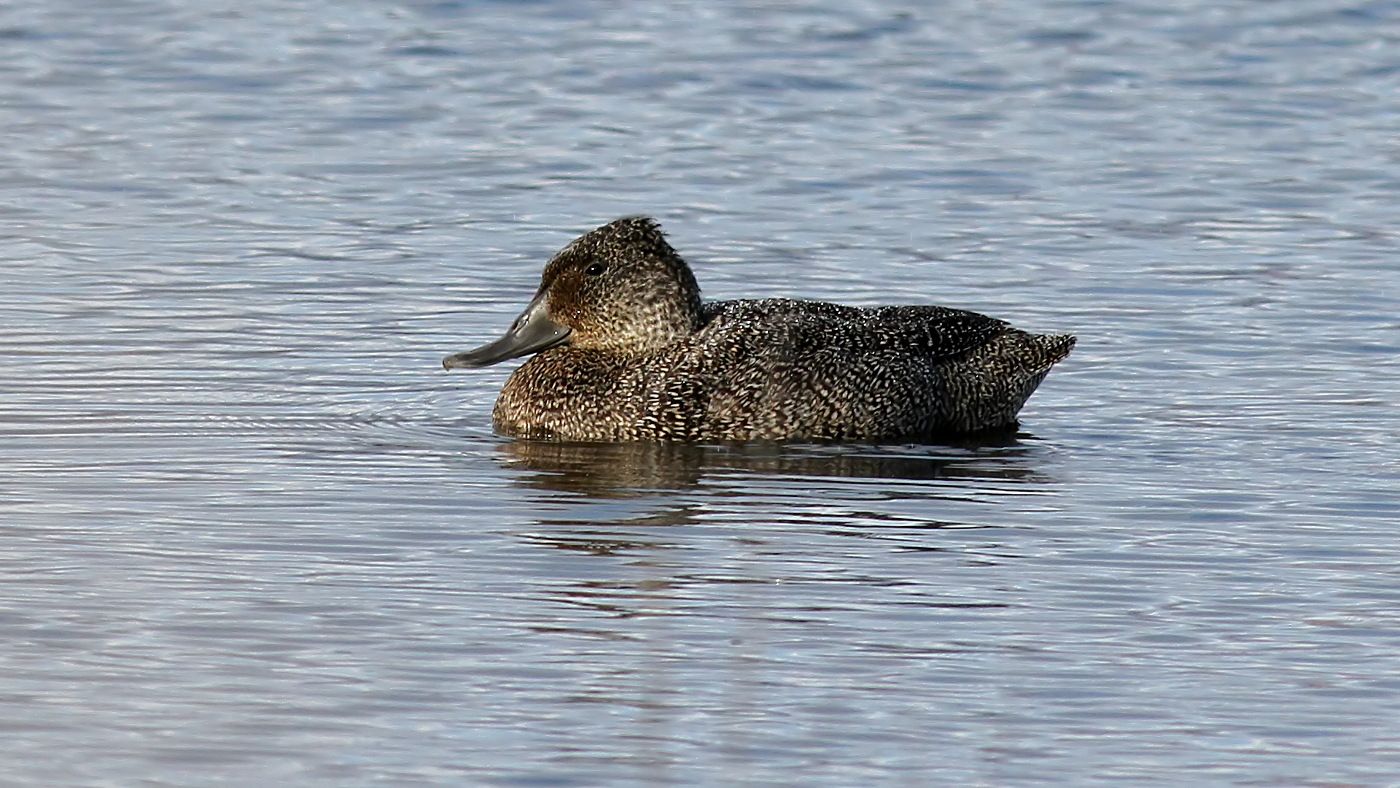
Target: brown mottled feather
{"x":647,"y":361}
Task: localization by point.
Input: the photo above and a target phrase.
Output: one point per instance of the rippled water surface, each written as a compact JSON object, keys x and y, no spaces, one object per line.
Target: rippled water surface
{"x":251,"y":533}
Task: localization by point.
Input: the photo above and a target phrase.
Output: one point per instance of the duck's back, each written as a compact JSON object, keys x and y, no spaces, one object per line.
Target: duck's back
{"x":779,"y":368}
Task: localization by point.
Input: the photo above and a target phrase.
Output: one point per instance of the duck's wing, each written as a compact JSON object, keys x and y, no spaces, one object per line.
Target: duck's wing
{"x":932,"y":332}
{"x":800,"y":328}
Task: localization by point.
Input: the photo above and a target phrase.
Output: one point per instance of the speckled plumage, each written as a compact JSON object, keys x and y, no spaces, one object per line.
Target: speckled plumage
{"x":637,"y":356}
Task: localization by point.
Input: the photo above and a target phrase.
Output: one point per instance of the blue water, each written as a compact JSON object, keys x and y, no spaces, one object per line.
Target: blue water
{"x":252,"y":534}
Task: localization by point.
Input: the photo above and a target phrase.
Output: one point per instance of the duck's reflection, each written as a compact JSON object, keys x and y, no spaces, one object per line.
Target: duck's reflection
{"x":608,"y":498}
{"x":774,"y":533}
{"x":633,"y":469}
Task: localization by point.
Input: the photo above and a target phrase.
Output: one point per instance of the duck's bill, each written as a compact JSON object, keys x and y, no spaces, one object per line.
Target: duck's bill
{"x":532,"y":332}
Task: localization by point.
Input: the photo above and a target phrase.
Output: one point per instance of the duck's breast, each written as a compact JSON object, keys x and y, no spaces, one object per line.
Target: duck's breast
{"x":569,"y":394}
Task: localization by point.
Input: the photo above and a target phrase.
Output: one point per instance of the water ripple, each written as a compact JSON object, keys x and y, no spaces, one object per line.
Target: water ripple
{"x":253,"y":533}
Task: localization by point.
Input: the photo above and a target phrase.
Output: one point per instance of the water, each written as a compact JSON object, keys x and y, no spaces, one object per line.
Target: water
{"x":252,"y":534}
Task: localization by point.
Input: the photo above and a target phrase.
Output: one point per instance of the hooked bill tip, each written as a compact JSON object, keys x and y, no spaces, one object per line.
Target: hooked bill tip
{"x":457,"y":361}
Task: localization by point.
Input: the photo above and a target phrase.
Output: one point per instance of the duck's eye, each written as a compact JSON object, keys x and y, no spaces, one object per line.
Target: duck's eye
{"x":596,"y":269}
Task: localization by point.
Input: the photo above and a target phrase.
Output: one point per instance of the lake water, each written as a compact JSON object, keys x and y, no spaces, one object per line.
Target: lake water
{"x":252,"y":534}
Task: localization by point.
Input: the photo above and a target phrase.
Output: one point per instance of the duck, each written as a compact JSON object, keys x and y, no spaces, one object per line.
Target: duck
{"x":623,"y":348}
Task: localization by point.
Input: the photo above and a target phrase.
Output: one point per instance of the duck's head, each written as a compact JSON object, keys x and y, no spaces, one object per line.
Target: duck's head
{"x":620,"y":288}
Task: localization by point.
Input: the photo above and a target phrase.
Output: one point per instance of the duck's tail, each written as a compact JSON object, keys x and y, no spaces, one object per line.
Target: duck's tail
{"x":1038,"y":353}
{"x":1053,"y":347}
{"x":1000,"y":376}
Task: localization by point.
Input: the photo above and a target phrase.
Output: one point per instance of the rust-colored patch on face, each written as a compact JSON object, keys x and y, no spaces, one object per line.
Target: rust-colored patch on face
{"x":565,"y":297}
